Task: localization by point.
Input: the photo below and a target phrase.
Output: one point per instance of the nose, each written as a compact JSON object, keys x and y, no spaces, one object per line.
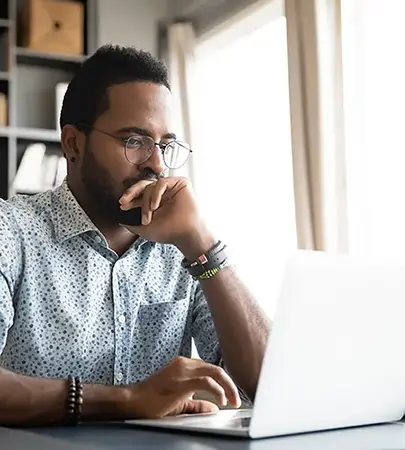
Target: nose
{"x":155,"y":161}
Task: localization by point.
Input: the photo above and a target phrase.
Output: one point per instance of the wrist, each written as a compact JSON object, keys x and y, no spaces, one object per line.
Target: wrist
{"x":107,"y":402}
{"x":126,"y":401}
{"x":133,"y":402}
{"x":195,"y":244}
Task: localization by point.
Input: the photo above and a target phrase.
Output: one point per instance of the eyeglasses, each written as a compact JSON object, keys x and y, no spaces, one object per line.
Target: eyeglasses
{"x":138,"y":149}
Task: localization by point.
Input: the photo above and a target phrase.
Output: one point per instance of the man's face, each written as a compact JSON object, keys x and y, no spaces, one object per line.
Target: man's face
{"x":135,"y":108}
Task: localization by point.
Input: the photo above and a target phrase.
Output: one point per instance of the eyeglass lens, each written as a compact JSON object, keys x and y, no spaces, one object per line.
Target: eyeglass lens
{"x":140,"y":148}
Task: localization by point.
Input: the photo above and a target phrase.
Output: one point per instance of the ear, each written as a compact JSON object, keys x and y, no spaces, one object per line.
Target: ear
{"x":73,"y":142}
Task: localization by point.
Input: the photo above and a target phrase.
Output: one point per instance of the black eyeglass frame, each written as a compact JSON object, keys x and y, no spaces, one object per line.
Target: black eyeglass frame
{"x":124,"y":141}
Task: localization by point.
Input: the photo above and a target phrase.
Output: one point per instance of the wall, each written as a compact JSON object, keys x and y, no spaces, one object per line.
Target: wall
{"x":206,"y":14}
{"x":135,"y":22}
{"x":131,"y":22}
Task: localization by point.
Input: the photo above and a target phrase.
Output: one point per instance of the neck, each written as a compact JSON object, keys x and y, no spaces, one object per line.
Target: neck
{"x":118,"y":237}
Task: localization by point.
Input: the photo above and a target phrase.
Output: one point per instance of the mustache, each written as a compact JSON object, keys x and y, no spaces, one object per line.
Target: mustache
{"x":146,"y":174}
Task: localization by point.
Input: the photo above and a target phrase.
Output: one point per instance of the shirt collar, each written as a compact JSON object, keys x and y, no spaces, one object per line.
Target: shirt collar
{"x":70,"y":219}
{"x":68,"y":216}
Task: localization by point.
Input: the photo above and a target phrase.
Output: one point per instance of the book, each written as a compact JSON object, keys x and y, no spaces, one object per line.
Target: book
{"x":61,"y":171}
{"x":29,"y":177}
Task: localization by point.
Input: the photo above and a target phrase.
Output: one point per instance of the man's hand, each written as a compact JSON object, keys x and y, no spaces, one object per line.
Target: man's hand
{"x":169,"y":214}
{"x":169,"y":391}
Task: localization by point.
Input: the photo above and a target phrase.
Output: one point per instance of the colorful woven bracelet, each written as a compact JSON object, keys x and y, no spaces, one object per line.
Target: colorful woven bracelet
{"x":212,"y":272}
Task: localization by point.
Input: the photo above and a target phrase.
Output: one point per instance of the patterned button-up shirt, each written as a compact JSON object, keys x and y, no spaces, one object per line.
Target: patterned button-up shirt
{"x":69,"y":305}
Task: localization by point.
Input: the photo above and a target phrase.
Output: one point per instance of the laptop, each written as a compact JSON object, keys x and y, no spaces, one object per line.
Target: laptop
{"x":335,"y":357}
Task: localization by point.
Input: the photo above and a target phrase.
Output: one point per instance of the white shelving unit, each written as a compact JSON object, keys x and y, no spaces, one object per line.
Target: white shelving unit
{"x":29,"y":78}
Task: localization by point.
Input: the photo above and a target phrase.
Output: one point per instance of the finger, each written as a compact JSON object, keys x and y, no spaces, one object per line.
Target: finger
{"x":146,"y":202}
{"x":222,"y":379}
{"x":160,"y":189}
{"x":206,"y":384}
{"x":135,"y":191}
{"x":195,"y":368}
{"x":156,"y":198}
{"x":198,"y":407}
{"x":138,"y":202}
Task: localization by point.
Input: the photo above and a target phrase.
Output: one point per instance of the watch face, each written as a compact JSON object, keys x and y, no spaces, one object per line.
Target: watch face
{"x":131,"y":217}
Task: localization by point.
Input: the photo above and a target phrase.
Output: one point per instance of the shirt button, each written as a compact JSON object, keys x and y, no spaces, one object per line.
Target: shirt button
{"x":121,"y":318}
{"x":119,"y":376}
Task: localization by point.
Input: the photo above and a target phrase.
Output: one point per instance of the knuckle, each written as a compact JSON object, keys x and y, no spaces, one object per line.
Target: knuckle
{"x":131,"y":190}
{"x":207,"y":380}
{"x":207,"y":383}
{"x":218,"y":371}
{"x":146,"y":190}
{"x":181,"y":362}
{"x":211,"y":385}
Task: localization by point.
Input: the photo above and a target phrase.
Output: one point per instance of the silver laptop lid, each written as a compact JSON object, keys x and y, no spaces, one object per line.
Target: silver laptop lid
{"x":336,"y":355}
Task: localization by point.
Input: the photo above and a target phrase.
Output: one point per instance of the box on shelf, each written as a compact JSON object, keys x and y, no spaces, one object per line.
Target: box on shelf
{"x":52,"y":26}
{"x":3,"y":110}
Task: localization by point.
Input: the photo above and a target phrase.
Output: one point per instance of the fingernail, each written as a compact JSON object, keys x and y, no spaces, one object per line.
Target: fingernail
{"x":144,"y":219}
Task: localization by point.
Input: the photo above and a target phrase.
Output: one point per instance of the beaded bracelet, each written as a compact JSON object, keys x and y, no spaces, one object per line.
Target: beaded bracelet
{"x":212,"y":272}
{"x":75,"y":400}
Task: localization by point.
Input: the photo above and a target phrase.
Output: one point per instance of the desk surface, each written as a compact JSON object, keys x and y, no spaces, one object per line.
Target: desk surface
{"x":126,"y":437}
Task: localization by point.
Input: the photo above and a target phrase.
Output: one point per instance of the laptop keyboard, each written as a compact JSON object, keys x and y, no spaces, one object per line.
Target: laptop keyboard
{"x":227,"y":419}
{"x":240,"y":423}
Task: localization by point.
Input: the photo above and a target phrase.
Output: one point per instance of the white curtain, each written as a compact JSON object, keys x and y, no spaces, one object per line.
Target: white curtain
{"x":181,"y":59}
{"x":267,"y":129}
{"x":374,"y":87}
{"x":315,"y":68}
{"x":243,"y":162}
{"x":180,"y":56}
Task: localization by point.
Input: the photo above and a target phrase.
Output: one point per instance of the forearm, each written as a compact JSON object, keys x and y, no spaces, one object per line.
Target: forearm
{"x":241,"y":325}
{"x":40,"y":401}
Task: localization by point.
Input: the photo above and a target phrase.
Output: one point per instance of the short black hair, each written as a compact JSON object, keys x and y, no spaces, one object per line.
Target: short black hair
{"x":86,"y":97}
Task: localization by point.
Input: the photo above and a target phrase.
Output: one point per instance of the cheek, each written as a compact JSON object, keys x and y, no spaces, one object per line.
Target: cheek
{"x":110,"y":164}
{"x":111,"y":157}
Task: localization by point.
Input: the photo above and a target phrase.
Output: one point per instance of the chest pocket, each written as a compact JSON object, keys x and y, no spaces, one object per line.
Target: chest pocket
{"x":161,"y":330}
{"x":159,"y":315}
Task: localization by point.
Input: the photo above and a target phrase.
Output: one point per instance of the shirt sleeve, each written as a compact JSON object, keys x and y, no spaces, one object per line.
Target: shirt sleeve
{"x":10,"y":262}
{"x":206,"y":339}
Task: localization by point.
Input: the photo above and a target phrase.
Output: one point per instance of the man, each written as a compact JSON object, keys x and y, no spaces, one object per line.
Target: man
{"x":96,"y":314}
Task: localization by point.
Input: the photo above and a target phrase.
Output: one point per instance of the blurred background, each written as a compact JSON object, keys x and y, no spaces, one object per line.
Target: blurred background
{"x":293,"y":108}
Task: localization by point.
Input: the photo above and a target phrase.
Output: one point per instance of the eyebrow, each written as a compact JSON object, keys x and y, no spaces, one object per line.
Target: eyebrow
{"x":144,"y":132}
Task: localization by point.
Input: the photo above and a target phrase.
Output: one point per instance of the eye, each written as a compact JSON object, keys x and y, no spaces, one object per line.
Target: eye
{"x":134,"y":142}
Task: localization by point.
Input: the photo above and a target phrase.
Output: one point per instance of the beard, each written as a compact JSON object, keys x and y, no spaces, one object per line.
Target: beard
{"x":103,"y":190}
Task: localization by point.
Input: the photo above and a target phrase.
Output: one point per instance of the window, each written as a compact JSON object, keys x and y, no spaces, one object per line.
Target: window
{"x":243,"y":160}
{"x":374,"y":74}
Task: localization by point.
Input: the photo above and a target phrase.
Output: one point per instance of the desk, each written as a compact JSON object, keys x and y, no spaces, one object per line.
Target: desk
{"x":125,"y":437}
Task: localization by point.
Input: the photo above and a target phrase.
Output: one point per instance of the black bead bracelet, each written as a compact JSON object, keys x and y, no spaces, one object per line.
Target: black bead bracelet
{"x":75,"y":400}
